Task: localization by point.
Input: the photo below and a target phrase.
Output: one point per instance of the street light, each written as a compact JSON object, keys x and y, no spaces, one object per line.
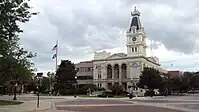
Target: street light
{"x":39,"y":77}
{"x":75,"y":87}
{"x":131,"y":90}
{"x":0,"y":59}
{"x":15,"y":92}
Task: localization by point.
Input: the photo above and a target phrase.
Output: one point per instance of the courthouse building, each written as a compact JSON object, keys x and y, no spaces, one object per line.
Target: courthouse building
{"x":107,"y":69}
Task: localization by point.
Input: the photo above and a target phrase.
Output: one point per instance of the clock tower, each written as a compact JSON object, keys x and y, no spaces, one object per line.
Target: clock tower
{"x":136,"y":37}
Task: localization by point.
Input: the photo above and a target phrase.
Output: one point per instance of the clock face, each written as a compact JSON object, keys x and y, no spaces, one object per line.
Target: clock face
{"x":134,"y":39}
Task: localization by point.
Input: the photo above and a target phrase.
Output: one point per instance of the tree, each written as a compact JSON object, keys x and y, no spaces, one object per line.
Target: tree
{"x":183,"y":83}
{"x":86,"y":88}
{"x":51,"y":77}
{"x":12,"y":13}
{"x":15,"y":65}
{"x":151,"y":78}
{"x":45,"y":85}
{"x":65,"y":77}
{"x":116,"y":89}
{"x":194,"y":81}
{"x":31,"y":85}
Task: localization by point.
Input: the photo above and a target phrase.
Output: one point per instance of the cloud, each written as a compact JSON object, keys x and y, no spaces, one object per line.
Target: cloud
{"x":83,"y":27}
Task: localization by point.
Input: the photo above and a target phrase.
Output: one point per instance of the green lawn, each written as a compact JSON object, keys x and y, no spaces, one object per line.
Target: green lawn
{"x":119,"y":96}
{"x":6,"y":102}
{"x":85,"y":96}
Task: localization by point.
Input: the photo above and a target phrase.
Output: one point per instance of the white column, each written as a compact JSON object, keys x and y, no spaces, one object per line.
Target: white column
{"x":105,"y":72}
{"x":128,"y":71}
{"x":120,"y":75}
{"x":120,"y":72}
{"x":113,"y":75}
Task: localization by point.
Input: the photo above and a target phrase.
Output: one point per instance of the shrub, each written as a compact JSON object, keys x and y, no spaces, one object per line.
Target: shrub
{"x":149,"y":93}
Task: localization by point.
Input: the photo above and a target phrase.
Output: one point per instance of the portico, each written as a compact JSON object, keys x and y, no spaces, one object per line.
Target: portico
{"x":117,"y":69}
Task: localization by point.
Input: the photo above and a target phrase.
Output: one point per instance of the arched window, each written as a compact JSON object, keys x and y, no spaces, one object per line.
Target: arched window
{"x":109,"y":72}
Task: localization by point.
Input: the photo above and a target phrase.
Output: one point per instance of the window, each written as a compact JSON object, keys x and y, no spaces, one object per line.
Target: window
{"x":109,"y":85}
{"x":136,"y":49}
{"x":99,"y":76}
{"x":99,"y":85}
{"x":132,"y":49}
{"x":84,"y":77}
{"x":89,"y":69}
{"x":98,"y":66}
{"x":77,"y":69}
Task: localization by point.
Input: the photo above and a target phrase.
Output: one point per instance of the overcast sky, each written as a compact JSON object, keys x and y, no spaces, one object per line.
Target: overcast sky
{"x":85,"y":26}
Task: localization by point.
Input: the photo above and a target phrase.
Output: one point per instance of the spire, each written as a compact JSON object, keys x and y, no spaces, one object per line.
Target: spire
{"x":135,"y":22}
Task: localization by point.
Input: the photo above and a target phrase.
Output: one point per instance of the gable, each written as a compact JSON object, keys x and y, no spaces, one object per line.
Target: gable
{"x":153,"y":59}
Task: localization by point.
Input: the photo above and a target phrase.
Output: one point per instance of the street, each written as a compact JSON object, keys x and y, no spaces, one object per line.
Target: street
{"x":188,"y":103}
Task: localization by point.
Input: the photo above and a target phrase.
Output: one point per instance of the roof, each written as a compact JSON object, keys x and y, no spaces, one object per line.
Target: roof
{"x":154,"y":59}
{"x":84,"y":64}
{"x":121,"y":54}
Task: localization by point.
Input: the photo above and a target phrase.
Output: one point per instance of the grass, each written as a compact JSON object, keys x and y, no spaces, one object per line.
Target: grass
{"x":119,"y":96}
{"x":86,"y":96}
{"x":6,"y":102}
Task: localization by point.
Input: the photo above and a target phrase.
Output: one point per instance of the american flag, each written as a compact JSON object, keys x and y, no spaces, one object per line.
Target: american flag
{"x":54,"y":48}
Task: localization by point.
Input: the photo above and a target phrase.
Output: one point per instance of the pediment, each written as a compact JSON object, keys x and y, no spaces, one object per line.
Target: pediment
{"x":153,"y":59}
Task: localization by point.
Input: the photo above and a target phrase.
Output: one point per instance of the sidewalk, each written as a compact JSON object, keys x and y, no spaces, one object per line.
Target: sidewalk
{"x":29,"y":106}
{"x":112,"y":98}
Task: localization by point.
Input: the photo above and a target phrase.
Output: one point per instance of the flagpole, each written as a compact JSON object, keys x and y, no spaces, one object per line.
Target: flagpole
{"x":56,"y":57}
{"x":151,"y":48}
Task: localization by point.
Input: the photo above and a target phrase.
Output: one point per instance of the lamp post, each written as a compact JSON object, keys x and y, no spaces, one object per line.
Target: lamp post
{"x":75,"y":87}
{"x":1,"y":85}
{"x":131,"y":90}
{"x":15,"y":92}
{"x":39,"y":77}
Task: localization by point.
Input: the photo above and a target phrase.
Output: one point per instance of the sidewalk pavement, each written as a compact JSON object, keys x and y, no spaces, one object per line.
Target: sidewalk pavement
{"x":112,"y":98}
{"x":27,"y":106}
